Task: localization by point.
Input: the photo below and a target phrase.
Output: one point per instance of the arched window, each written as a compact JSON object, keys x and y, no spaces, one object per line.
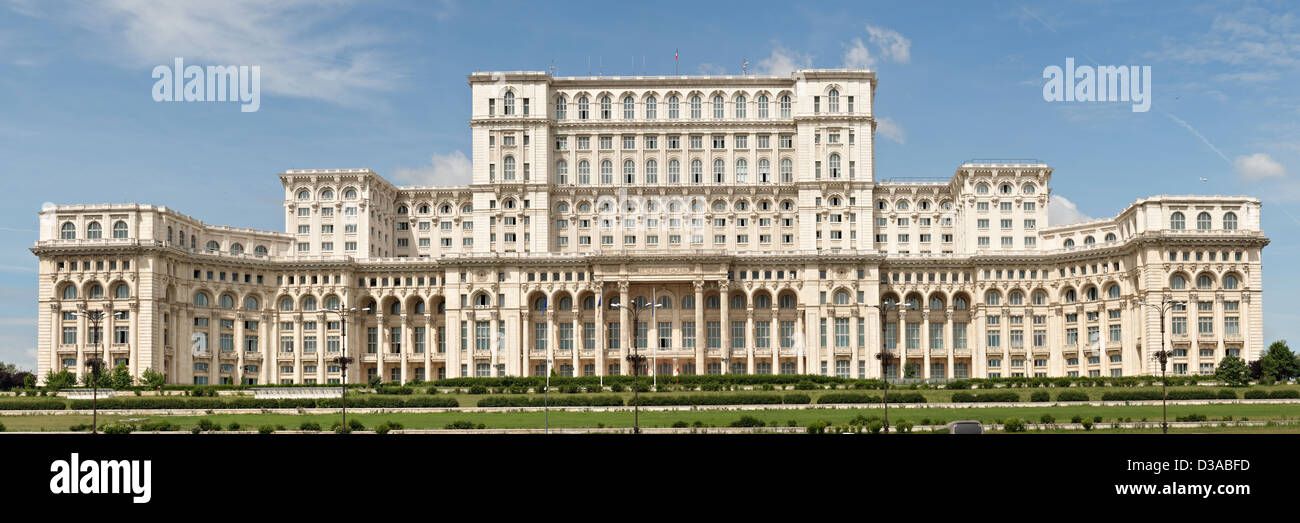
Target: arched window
{"x":740,"y":106}
{"x":1204,"y":282}
{"x":589,"y":303}
{"x":510,"y":103}
{"x":833,"y":101}
{"x":1089,"y":240}
{"x":251,"y":303}
{"x":260,"y":250}
{"x":96,"y":291}
{"x":674,"y":171}
{"x":672,"y":107}
{"x":835,"y":165}
{"x":561,"y":109}
{"x":119,"y":229}
{"x":665,"y":302}
{"x":236,"y":248}
{"x":719,"y":171}
{"x":629,"y":172}
{"x":1029,"y":188}
{"x":1069,"y":242}
{"x":901,"y":205}
{"x":786,"y":301}
{"x":304,"y":194}
{"x":68,"y":231}
{"x":842,"y":298}
{"x":787,"y":171}
{"x":122,"y":291}
{"x":651,"y":109}
{"x":327,"y":194}
{"x":959,"y":303}
{"x":1091,"y":293}
{"x":213,"y":245}
{"x":395,"y":309}
{"x":737,"y":302}
{"x":286,"y":304}
{"x":1230,"y":283}
{"x":539,"y":304}
{"x":309,"y":304}
{"x":350,"y":194}
{"x":70,"y":292}
{"x":1177,"y":222}
{"x":1005,"y":188}
{"x":583,"y":113}
{"x":936,"y":303}
{"x":566,"y":303}
{"x":742,"y":171}
{"x":982,"y":188}
{"x":762,"y":301}
{"x":629,"y":108}
{"x":1071,"y":296}
{"x":696,"y":108}
{"x":508,"y":172}
{"x":201,"y":299}
{"x":712,"y":302}
{"x":1177,"y":282}
{"x":762,"y":106}
{"x":764,"y":171}
{"x":992,"y":298}
{"x":561,"y":172}
{"x":913,"y":303}
{"x":226,"y":301}
{"x":584,"y":172}
{"x":1230,"y":221}
{"x":1040,"y":298}
{"x":1016,"y":298}
{"x":401,"y":209}
{"x":688,"y":302}
{"x":651,"y":171}
{"x":605,"y":108}
{"x":785,"y":106}
{"x":1203,"y":221}
{"x":719,"y":108}
{"x":613,"y":300}
{"x":93,"y":231}
{"x":332,"y":303}
{"x":1112,"y":292}
{"x":607,"y":172}
{"x":482,"y":300}
{"x":1110,"y":237}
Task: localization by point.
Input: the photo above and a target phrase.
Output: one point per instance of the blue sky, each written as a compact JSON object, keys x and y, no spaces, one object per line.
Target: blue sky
{"x":382,"y":85}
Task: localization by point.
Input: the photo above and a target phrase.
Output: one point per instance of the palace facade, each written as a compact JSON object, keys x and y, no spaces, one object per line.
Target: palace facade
{"x":747,"y":208}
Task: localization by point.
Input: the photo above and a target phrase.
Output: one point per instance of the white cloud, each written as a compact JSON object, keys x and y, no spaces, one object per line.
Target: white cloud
{"x":1061,"y":211}
{"x":783,"y":62}
{"x":858,"y":56}
{"x":305,"y":48}
{"x":443,"y":169}
{"x":893,"y":46}
{"x":890,"y":130}
{"x":1258,"y":166}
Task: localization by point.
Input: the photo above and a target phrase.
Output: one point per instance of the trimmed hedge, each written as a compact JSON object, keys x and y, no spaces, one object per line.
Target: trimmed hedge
{"x":244,"y":402}
{"x":1256,"y":394}
{"x":986,"y":397}
{"x":862,"y":397}
{"x":33,"y":404}
{"x":1284,"y":394}
{"x":605,"y":400}
{"x":1131,"y":395}
{"x":1072,"y":395}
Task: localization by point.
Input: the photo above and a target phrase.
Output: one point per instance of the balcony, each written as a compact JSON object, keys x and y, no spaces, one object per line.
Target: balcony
{"x":392,"y":356}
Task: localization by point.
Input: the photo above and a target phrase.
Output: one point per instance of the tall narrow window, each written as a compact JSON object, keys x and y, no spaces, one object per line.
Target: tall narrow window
{"x":762,"y":106}
{"x":510,"y":103}
{"x":561,"y":109}
{"x":833,"y":101}
{"x":629,"y":108}
{"x":740,"y":107}
{"x":785,"y":106}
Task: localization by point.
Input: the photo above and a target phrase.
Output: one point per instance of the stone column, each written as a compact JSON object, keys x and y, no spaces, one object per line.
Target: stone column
{"x":774,"y":339}
{"x":430,"y":345}
{"x":950,"y":344}
{"x":383,"y":349}
{"x":724,"y":296}
{"x":625,"y":328}
{"x":599,"y":320}
{"x":239,"y":348}
{"x":902,"y":343}
{"x":800,"y":330}
{"x":267,"y":344}
{"x":925,"y":343}
{"x":320,"y":347}
{"x":700,"y":334}
{"x":749,"y":339}
{"x":297,"y":347}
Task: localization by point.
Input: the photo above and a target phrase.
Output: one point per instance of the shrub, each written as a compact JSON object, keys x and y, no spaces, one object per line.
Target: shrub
{"x":1284,"y":394}
{"x":478,"y":389}
{"x":1076,"y":419}
{"x":796,"y":398}
{"x":606,"y":400}
{"x":1192,"y":417}
{"x":207,"y":425}
{"x":595,"y":388}
{"x":1013,"y":425}
{"x":1047,"y":418}
{"x":1256,"y":394}
{"x":679,"y":424}
{"x":1132,"y":395}
{"x":616,"y":387}
{"x":1087,"y":424}
{"x":159,"y":426}
{"x":1039,"y":396}
{"x":986,"y":397}
{"x":266,"y":429}
{"x":234,"y":425}
{"x":957,"y":385}
{"x":1072,"y":395}
{"x":462,"y":424}
{"x":874,"y":426}
{"x":862,"y":397}
{"x":806,"y":385}
{"x":385,"y":427}
{"x":904,"y":426}
{"x":1096,"y":419}
{"x":355,"y":424}
{"x":1227,"y":394}
{"x":747,"y":421}
{"x":121,"y":428}
{"x":309,"y":426}
{"x":2,"y":427}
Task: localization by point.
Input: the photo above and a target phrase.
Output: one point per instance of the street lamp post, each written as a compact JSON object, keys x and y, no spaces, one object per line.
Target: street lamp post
{"x":1162,"y":355}
{"x":344,"y":360}
{"x":96,"y":364}
{"x":636,"y":359}
{"x":885,"y":356}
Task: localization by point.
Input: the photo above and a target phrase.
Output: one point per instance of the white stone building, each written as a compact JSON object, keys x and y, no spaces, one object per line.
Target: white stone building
{"x":746,"y":206}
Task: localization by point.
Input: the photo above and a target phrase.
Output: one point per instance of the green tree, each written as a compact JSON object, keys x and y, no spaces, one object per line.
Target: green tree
{"x":29,"y":381}
{"x":153,"y":379}
{"x":119,"y":378}
{"x":1232,"y":371}
{"x":59,"y":380}
{"x":1279,"y":362}
{"x":911,"y":370}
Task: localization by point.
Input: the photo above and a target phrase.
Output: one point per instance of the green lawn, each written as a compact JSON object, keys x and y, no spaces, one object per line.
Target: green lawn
{"x":1280,"y":412}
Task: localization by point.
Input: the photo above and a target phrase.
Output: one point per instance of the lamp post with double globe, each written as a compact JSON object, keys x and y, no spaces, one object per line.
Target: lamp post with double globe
{"x":343,"y":361}
{"x":95,"y":317}
{"x":636,"y":359}
{"x":1162,"y":355}
{"x":885,"y":356}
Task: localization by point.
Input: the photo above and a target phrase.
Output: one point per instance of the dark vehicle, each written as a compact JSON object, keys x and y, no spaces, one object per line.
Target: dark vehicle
{"x":965,"y":427}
